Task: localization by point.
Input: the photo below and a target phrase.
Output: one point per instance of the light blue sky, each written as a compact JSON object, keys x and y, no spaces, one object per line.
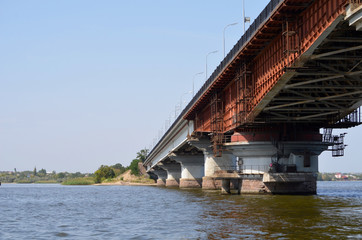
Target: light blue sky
{"x":85,"y":82}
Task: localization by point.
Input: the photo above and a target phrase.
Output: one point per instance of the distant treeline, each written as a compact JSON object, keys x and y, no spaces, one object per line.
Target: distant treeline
{"x":40,"y":176}
{"x":339,"y":176}
{"x":104,"y":172}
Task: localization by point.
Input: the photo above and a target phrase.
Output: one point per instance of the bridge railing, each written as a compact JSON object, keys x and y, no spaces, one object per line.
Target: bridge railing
{"x":355,"y":1}
{"x":244,"y":169}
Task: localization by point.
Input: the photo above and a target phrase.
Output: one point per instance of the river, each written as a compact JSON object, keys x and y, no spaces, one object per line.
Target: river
{"x":51,"y":211}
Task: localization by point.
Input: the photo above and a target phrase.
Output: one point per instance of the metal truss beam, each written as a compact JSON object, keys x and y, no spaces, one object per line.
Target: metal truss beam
{"x":336,"y":52}
{"x":312,"y":100}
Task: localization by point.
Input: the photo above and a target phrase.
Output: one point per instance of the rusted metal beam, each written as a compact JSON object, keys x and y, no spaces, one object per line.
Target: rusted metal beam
{"x":313,"y":81}
{"x":336,"y":52}
{"x":313,"y":100}
{"x":309,"y":109}
{"x":315,"y":115}
{"x":345,"y":40}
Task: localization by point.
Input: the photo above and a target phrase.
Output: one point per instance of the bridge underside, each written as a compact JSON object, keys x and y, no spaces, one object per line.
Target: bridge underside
{"x":245,"y":167}
{"x":326,"y":88}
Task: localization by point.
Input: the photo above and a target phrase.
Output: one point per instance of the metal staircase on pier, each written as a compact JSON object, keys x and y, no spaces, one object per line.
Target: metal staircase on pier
{"x":217,"y":133}
{"x":337,"y":141}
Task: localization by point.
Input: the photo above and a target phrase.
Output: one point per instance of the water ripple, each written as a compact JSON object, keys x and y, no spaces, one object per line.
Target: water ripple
{"x":126,"y":212}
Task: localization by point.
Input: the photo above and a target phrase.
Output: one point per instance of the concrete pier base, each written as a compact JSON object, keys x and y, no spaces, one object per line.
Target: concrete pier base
{"x":210,"y":183}
{"x":301,"y":188}
{"x":290,"y":183}
{"x":172,"y":183}
{"x":161,"y":182}
{"x":190,"y":183}
{"x":253,"y":186}
{"x":279,"y":183}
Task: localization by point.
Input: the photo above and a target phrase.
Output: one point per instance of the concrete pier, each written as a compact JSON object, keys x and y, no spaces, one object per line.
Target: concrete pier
{"x":289,"y":168}
{"x":212,"y":164}
{"x":192,"y":170}
{"x":162,"y":175}
{"x":173,"y":170}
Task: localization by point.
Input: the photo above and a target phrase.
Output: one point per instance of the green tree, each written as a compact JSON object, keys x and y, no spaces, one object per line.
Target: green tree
{"x":34,"y":171}
{"x":119,"y":168}
{"x":327,"y":177}
{"x":103,"y":172}
{"x":76,"y":175}
{"x":142,"y":155}
{"x":61,"y":175}
{"x":134,"y":166}
{"x":42,"y":172}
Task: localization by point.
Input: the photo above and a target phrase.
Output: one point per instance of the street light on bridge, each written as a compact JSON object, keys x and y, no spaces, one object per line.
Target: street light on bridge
{"x":245,"y":19}
{"x":181,"y":99}
{"x":232,"y":24}
{"x":193,"y":83}
{"x":206,"y":61}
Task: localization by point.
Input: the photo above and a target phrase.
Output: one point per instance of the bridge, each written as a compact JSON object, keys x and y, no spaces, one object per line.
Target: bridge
{"x":254,"y":126}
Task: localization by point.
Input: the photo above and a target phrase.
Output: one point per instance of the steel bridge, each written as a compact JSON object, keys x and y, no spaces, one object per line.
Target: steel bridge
{"x":297,"y":69}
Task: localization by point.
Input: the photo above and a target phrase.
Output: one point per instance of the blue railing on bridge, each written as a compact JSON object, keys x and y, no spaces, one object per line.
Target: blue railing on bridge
{"x":264,"y":15}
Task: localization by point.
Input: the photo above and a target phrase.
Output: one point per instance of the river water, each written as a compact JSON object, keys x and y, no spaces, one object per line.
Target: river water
{"x":35,"y":211}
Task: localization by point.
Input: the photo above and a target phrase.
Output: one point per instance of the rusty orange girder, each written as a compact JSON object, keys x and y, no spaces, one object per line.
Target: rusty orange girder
{"x":278,"y":44}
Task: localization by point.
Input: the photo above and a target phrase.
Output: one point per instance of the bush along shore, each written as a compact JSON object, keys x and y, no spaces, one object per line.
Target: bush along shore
{"x":119,"y":175}
{"x":105,"y":175}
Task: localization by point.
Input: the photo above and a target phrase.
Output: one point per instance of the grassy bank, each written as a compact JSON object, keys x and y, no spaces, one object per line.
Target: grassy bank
{"x":79,"y":181}
{"x":47,"y":181}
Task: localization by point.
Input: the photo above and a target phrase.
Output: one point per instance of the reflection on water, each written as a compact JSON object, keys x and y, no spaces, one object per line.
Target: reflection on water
{"x":124,"y":212}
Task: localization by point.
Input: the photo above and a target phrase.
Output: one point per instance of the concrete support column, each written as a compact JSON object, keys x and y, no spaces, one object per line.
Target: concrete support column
{"x":173,"y":170}
{"x":162,"y":175}
{"x":192,"y":170}
{"x":213,"y":164}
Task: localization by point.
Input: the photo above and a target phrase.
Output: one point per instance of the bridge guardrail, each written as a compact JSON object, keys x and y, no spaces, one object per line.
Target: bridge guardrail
{"x":245,"y":169}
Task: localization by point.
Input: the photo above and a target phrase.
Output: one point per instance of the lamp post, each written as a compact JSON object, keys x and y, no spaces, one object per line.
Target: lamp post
{"x":193,"y":83}
{"x":245,"y":19}
{"x":223,"y":35}
{"x":206,"y":62}
{"x":182,"y":97}
{"x":178,"y":107}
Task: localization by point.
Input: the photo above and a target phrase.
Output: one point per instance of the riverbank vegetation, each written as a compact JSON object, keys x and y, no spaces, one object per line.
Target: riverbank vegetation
{"x":104,"y":174}
{"x":41,"y":176}
{"x":119,"y":174}
{"x":79,"y":181}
